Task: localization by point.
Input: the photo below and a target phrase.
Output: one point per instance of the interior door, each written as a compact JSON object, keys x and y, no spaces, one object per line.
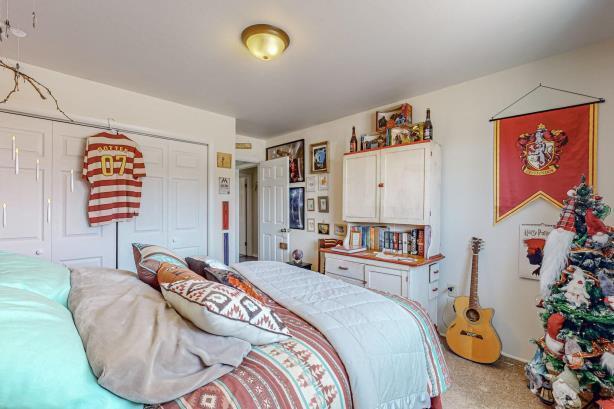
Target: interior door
{"x":187,"y":201}
{"x":243,"y":215}
{"x":403,"y":175}
{"x":273,"y":198}
{"x":74,"y":241}
{"x":150,"y":226}
{"x":360,"y":187}
{"x":25,"y":187}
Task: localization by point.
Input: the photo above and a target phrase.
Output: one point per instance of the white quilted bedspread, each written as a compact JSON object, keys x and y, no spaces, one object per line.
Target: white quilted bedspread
{"x":379,"y":344}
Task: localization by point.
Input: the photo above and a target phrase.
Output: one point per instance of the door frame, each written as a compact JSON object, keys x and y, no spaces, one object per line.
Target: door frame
{"x":237,"y":198}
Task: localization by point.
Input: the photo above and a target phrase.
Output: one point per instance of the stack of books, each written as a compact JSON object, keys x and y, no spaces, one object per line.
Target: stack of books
{"x":414,"y":242}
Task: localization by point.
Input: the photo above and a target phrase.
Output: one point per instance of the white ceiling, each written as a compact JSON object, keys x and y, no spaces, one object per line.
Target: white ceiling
{"x":345,"y":56}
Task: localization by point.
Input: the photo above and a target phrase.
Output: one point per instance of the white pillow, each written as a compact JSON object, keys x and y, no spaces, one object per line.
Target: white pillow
{"x":222,"y":310}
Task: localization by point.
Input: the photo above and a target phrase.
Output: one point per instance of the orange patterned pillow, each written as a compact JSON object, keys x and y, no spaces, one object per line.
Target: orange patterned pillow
{"x":244,"y":286}
{"x":169,"y":273}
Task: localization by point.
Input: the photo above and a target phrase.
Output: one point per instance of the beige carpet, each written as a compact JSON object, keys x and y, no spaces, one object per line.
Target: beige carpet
{"x":498,"y":386}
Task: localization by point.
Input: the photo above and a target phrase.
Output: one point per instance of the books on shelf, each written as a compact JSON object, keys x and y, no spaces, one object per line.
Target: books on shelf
{"x":414,"y":242}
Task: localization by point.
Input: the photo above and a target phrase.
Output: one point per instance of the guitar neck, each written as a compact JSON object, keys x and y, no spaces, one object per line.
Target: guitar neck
{"x":474,"y":302}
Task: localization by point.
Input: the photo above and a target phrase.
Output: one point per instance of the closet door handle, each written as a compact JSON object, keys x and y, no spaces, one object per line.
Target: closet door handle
{"x":48,"y":211}
{"x":3,"y":214}
{"x":72,"y":180}
{"x":13,"y":147}
{"x":16,"y":152}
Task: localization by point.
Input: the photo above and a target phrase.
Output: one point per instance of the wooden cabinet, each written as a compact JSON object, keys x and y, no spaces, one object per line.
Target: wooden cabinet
{"x":398,"y":184}
{"x":419,"y":283}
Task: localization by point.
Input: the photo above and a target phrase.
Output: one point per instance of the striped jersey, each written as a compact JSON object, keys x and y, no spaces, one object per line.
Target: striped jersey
{"x":113,"y":165}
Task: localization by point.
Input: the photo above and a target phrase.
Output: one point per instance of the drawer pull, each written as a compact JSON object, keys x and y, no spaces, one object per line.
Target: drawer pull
{"x":343,"y":268}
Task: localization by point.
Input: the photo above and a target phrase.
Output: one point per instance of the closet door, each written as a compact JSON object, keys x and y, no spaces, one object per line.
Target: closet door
{"x":74,"y":241}
{"x":151,"y":226}
{"x":187,"y":200}
{"x":25,"y":215}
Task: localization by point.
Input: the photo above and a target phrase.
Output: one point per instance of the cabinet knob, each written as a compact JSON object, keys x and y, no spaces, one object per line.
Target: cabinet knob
{"x":380,"y":185}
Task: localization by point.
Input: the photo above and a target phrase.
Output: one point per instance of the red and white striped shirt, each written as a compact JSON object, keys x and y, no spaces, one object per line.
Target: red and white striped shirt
{"x":113,"y":165}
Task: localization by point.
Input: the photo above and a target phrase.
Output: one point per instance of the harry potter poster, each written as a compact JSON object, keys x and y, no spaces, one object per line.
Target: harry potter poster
{"x":531,"y":249}
{"x":541,"y":155}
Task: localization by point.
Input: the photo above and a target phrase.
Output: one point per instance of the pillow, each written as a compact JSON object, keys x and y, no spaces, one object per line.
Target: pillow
{"x":223,"y":310}
{"x":43,"y":363}
{"x":34,"y":274}
{"x":169,"y":273}
{"x":148,"y":258}
{"x":207,"y":261}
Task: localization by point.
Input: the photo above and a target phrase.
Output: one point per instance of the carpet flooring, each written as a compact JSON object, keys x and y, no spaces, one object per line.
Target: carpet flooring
{"x":498,"y":386}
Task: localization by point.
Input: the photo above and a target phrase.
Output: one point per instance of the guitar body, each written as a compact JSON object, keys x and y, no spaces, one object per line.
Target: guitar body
{"x":471,"y":334}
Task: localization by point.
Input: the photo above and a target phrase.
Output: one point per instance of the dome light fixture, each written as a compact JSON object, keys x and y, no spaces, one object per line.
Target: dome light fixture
{"x":265,"y":41}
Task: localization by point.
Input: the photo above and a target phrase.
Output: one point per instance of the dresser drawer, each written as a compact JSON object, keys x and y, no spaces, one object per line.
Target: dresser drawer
{"x":433,"y":290}
{"x":346,"y":279}
{"x":344,"y":268}
{"x":433,"y":272}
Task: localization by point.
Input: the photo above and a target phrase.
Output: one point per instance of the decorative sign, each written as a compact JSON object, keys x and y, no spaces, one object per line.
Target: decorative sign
{"x":224,"y":185}
{"x":224,"y":160}
{"x":243,"y":145}
{"x":541,"y":155}
{"x":225,"y":215}
{"x":226,"y":250}
{"x":531,"y":249}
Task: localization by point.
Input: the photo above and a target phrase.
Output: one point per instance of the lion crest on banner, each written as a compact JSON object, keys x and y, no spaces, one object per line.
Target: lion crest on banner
{"x":541,"y":150}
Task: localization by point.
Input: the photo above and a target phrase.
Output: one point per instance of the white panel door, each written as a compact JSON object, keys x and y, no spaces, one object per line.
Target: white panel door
{"x":243,"y":215}
{"x":403,"y":175}
{"x":187,"y":201}
{"x":273,"y":198}
{"x":74,"y":241}
{"x":25,"y":213}
{"x":151,"y":225}
{"x":360,"y":191}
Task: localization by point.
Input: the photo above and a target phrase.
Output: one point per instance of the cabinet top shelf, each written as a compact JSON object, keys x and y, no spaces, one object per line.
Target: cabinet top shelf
{"x":370,"y":255}
{"x":387,"y":147}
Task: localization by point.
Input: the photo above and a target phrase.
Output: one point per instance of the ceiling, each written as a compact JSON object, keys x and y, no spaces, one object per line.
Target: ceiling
{"x":345,"y":56}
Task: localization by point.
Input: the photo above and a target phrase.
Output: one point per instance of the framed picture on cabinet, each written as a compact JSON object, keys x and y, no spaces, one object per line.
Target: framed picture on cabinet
{"x":319,"y":157}
{"x":311,"y":205}
{"x":310,"y":184}
{"x":297,"y":208}
{"x":311,"y":225}
{"x":398,"y":116}
{"x":295,"y":151}
{"x":340,"y":229}
{"x":323,"y":204}
{"x":323,"y":228}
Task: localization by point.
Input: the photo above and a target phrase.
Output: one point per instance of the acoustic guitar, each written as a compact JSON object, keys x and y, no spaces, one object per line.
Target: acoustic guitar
{"x":472,"y":335}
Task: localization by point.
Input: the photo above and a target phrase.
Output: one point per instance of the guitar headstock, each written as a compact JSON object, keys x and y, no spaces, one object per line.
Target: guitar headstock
{"x":477,"y":244}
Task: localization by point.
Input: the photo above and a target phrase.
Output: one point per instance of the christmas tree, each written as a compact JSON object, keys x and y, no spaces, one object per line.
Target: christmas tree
{"x":573,"y":366}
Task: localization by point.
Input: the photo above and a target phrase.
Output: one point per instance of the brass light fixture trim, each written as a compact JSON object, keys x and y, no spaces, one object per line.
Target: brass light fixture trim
{"x":265,"y":41}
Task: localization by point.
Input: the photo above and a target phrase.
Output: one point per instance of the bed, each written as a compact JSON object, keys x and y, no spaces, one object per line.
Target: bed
{"x":305,"y":371}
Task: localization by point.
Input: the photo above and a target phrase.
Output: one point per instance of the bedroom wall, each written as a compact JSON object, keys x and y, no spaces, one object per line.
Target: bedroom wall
{"x":255,"y":154}
{"x":460,"y":116}
{"x":83,"y":99}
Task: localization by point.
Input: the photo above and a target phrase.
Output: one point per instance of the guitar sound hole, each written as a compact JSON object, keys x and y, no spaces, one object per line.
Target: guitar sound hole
{"x":472,"y":315}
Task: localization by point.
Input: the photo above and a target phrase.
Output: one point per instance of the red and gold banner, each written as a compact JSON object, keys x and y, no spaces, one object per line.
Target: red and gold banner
{"x":542,"y":155}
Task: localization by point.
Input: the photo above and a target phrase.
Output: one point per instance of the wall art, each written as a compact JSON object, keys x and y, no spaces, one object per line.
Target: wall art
{"x":297,"y":208}
{"x":224,"y":185}
{"x":531,"y":249}
{"x":398,"y":116}
{"x":224,"y":160}
{"x":310,"y":183}
{"x":319,"y":157}
{"x":295,"y":151}
{"x":323,"y":228}
{"x":323,"y":204}
{"x":311,"y":225}
{"x":311,"y":205}
{"x":323,"y":182}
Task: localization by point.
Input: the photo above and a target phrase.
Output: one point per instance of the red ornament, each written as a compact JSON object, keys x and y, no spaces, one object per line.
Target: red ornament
{"x":555,"y":323}
{"x":594,"y":224}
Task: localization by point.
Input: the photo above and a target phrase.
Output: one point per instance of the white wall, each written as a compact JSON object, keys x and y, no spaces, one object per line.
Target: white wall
{"x":86,"y":100}
{"x":460,"y":116}
{"x":255,"y":154}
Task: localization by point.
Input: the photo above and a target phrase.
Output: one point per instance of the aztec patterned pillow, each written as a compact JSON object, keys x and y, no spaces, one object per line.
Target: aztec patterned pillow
{"x":223,"y":310}
{"x":148,"y":258}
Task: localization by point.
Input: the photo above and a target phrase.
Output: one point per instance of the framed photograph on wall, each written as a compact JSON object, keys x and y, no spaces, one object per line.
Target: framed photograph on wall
{"x":323,"y":182}
{"x":319,"y":157}
{"x":311,"y":205}
{"x":323,"y":228}
{"x":311,"y":224}
{"x":397,"y":116}
{"x":297,"y":208}
{"x":340,"y":229}
{"x":295,"y":151}
{"x":310,"y":183}
{"x":323,"y":204}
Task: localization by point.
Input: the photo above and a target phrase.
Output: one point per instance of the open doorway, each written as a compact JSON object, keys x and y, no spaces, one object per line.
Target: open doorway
{"x":248,"y":212}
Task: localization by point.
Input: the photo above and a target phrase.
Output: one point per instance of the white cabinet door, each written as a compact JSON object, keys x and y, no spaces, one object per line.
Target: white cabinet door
{"x":403,"y":195}
{"x":187,"y":201}
{"x":360,"y":187}
{"x":151,"y":225}
{"x":385,"y":279}
{"x":25,"y":213}
{"x":74,"y":241}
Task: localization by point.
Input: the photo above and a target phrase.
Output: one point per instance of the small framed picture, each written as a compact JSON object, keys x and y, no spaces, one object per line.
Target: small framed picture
{"x":355,"y":239}
{"x":224,"y":185}
{"x":323,"y":182}
{"x":394,"y":117}
{"x":340,"y":229}
{"x":319,"y":157}
{"x":323,"y":204}
{"x":311,"y":224}
{"x":295,"y":151}
{"x":310,"y":184}
{"x":311,"y":205}
{"x":224,"y":160}
{"x":323,"y":228}
{"x":297,"y":208}
{"x":400,"y":136}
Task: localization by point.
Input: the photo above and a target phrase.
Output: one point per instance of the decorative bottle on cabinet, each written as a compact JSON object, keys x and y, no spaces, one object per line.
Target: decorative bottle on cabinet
{"x":428,"y":126}
{"x":353,"y":141}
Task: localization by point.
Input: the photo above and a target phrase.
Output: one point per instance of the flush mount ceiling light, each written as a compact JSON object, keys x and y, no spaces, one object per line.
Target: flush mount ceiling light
{"x":264,"y":41}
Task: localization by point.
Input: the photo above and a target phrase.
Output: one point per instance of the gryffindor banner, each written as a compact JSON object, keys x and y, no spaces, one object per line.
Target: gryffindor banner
{"x":541,"y":155}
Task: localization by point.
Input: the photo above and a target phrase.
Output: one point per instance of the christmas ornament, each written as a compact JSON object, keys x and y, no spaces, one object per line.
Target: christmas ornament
{"x":575,"y":290}
{"x":573,"y":354}
{"x":554,"y":325}
{"x":607,"y":362}
{"x":565,"y":389}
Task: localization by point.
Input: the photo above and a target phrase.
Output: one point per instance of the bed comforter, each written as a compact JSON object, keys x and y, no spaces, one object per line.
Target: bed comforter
{"x":306,"y":371}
